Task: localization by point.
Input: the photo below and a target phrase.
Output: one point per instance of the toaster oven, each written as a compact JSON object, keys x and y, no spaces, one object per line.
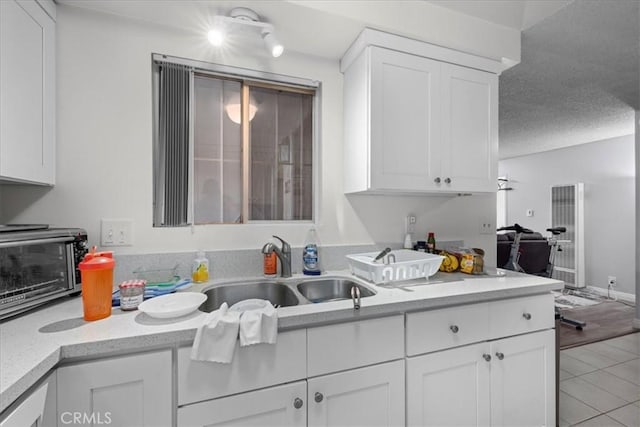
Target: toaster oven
{"x":38,"y":264}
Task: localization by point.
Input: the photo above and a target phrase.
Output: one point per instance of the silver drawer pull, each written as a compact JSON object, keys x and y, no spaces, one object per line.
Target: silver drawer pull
{"x":500,"y":356}
{"x":486,"y":357}
{"x":454,"y":329}
{"x":297,"y":403}
{"x":318,"y":397}
{"x":526,"y":316}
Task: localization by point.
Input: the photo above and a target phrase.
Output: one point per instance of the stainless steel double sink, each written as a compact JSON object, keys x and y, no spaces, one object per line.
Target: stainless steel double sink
{"x":286,"y":293}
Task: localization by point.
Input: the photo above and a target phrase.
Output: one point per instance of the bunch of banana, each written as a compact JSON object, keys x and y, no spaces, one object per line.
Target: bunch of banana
{"x":449,"y":263}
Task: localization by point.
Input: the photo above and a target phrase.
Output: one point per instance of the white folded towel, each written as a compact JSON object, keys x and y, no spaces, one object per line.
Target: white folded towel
{"x":259,"y":326}
{"x":216,"y":339}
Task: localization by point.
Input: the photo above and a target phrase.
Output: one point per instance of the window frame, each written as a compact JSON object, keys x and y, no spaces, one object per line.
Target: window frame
{"x":245,"y":77}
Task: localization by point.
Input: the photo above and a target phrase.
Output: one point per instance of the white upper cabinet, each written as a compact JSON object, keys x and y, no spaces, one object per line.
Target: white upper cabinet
{"x":469,"y":129}
{"x":27,"y":91}
{"x":415,"y":123}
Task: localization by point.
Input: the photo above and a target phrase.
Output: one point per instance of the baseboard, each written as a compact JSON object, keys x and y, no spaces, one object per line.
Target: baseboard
{"x":614,"y":294}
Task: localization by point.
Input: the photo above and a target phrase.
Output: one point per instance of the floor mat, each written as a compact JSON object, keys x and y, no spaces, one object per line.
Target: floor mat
{"x":605,"y":320}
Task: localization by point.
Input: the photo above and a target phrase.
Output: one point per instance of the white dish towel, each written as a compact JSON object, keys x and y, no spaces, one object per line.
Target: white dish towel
{"x":259,"y":325}
{"x":216,"y":339}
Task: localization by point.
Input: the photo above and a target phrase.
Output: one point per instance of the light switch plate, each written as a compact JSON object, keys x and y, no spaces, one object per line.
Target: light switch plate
{"x":116,"y":232}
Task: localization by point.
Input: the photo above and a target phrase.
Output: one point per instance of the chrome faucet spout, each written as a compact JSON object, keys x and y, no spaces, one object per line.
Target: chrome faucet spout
{"x":284,"y":255}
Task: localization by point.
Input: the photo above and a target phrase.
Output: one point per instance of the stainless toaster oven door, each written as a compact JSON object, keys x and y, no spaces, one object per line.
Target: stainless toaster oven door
{"x":32,"y":272}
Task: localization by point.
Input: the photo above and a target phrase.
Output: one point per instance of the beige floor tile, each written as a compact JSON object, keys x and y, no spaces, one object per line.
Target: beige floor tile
{"x":563,"y":423}
{"x":587,"y":356}
{"x":630,"y":343}
{"x":573,"y":411}
{"x":574,"y":366}
{"x":601,"y":421}
{"x":591,"y":395}
{"x":629,"y":371}
{"x":627,"y":415}
{"x":564,"y":375}
{"x":615,"y":353}
{"x":614,"y":385}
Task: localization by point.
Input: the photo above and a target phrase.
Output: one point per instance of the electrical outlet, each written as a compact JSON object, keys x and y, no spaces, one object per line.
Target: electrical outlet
{"x":116,"y":232}
{"x":611,"y":281}
{"x":486,"y":227}
{"x":410,"y":224}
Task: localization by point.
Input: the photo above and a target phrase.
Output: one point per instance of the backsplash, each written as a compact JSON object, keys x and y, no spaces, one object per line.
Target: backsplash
{"x":242,"y":263}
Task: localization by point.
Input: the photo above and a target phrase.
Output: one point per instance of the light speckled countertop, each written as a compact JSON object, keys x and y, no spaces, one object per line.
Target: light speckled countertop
{"x":33,"y":344}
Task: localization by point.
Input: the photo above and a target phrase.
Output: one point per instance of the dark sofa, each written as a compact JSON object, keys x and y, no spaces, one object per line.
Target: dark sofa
{"x":534,"y":251}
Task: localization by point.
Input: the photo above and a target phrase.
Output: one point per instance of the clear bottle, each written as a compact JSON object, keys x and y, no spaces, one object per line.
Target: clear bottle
{"x":310,"y":256}
{"x":200,"y":268}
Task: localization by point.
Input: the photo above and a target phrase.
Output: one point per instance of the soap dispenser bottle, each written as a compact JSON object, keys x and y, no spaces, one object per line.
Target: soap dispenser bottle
{"x":200,"y":268}
{"x":310,"y":256}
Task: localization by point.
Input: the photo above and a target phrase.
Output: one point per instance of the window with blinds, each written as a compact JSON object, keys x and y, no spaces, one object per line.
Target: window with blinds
{"x":229,"y":149}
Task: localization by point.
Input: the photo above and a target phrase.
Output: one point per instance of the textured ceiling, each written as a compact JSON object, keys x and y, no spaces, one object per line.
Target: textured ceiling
{"x":579,"y":79}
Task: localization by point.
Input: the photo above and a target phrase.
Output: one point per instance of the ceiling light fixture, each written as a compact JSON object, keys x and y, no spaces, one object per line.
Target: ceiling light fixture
{"x":242,"y":17}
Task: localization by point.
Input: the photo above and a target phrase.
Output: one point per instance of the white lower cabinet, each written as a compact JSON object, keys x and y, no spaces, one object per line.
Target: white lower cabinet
{"x":131,"y":391}
{"x":507,"y":382}
{"x":371,"y":396}
{"x":36,"y":409}
{"x":283,"y":406}
{"x":522,"y":380}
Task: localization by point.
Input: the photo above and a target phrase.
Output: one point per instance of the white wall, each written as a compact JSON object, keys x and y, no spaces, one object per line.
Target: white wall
{"x":105,"y":149}
{"x":608,"y":172}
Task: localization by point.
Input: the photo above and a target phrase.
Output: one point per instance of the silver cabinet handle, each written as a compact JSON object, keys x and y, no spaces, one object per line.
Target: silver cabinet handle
{"x":447,"y":180}
{"x":437,"y":180}
{"x":486,"y":357}
{"x":526,"y":316}
{"x":297,"y":403}
{"x":500,"y":356}
{"x":454,"y":329}
{"x":318,"y":397}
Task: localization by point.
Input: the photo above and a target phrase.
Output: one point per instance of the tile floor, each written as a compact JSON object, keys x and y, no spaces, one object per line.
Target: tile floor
{"x":600,"y":383}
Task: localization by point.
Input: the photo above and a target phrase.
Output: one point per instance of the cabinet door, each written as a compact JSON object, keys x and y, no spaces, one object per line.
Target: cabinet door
{"x":276,"y":406}
{"x":449,"y":388}
{"x":125,"y":391}
{"x":29,"y":413}
{"x":27,"y":84}
{"x":469,"y":129}
{"x":404,"y":121}
{"x":371,"y":396}
{"x":522,"y":380}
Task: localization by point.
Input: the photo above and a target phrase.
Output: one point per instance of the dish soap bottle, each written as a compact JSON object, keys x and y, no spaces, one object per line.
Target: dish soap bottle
{"x":310,"y":257}
{"x":270,"y":262}
{"x":200,"y":268}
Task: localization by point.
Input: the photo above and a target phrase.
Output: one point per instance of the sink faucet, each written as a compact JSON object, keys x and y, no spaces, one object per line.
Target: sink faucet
{"x":284,"y":255}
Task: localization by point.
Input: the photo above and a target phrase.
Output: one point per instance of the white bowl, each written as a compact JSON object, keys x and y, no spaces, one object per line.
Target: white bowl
{"x":172,"y":305}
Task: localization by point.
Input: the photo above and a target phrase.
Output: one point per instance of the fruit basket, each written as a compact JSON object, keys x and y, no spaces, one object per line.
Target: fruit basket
{"x":408,"y":265}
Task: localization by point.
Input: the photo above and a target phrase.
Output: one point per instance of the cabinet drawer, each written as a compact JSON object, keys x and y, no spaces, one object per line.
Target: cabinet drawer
{"x":520,"y":315}
{"x":253,"y":367}
{"x":274,"y":406}
{"x":445,"y":328}
{"x":350,"y":345}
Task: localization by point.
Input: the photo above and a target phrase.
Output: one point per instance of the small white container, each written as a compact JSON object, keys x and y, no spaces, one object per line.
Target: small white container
{"x":408,"y":265}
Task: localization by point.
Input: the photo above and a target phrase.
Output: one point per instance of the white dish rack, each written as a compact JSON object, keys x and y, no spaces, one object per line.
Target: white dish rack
{"x":408,"y":265}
